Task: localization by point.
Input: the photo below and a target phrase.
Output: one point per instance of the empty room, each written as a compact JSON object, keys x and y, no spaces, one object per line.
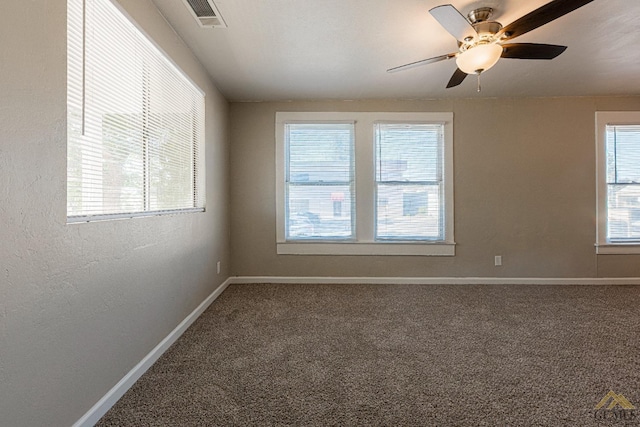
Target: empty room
{"x":313,"y":213}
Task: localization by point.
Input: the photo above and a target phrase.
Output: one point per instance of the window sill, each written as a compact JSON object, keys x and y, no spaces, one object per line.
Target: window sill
{"x":387,"y":249}
{"x":618,"y":249}
{"x":79,"y":219}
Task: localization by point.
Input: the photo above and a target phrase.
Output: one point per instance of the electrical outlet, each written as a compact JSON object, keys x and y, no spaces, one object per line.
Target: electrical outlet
{"x":498,"y":260}
{"x":218,"y":267}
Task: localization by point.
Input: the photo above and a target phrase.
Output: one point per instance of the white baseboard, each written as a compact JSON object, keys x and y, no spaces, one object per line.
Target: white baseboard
{"x":440,"y":280}
{"x":108,"y":400}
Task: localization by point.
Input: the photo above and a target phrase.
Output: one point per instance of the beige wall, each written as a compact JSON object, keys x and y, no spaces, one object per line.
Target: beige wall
{"x":524,"y":189}
{"x":82,"y":304}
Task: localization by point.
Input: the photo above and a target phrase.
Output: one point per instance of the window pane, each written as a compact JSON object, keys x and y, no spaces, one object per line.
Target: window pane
{"x":408,"y":212}
{"x":122,"y":175}
{"x":623,"y":154}
{"x":624,"y":212}
{"x":104,"y":156}
{"x":409,"y":152}
{"x":319,"y":212}
{"x":320,"y":152}
{"x":171,"y":172}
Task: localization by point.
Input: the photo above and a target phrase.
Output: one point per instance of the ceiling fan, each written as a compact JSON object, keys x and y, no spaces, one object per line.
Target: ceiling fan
{"x":481,"y":41}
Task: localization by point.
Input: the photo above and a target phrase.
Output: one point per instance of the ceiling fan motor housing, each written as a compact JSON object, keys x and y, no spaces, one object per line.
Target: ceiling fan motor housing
{"x":480,"y":15}
{"x":487,"y":29}
{"x":479,"y":20}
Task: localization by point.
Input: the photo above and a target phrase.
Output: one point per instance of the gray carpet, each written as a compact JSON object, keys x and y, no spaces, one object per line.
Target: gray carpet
{"x":398,"y":355}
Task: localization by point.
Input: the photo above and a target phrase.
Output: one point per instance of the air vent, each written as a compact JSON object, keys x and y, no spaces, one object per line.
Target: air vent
{"x":206,"y":13}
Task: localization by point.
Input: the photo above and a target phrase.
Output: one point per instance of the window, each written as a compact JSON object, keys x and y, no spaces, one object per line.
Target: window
{"x":319,"y":181}
{"x":135,"y":121}
{"x":364,"y":183}
{"x":409,"y":181}
{"x":618,"y":191}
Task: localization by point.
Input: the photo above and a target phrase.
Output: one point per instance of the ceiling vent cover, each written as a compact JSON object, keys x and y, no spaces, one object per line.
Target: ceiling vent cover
{"x":206,"y":13}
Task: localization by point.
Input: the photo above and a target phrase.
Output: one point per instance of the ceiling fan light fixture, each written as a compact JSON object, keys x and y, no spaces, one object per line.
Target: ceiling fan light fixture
{"x":480,"y":58}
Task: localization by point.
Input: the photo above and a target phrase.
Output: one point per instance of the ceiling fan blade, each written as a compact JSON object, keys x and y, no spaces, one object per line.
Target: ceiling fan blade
{"x":457,"y":78}
{"x":531,"y":51}
{"x":541,"y":16}
{"x":422,"y":62}
{"x":453,"y":21}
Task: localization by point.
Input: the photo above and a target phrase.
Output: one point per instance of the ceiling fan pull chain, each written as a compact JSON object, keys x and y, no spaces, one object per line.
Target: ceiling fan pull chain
{"x":479,"y":87}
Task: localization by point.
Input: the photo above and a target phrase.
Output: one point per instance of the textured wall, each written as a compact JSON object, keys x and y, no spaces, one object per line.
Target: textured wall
{"x":524,"y":189}
{"x":81,"y":304}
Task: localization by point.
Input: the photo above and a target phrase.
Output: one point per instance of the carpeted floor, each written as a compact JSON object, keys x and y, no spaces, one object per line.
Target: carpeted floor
{"x":398,"y":355}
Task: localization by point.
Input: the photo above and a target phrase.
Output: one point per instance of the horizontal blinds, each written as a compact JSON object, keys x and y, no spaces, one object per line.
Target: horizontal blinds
{"x":623,"y":182}
{"x":135,"y":123}
{"x":623,"y":154}
{"x":409,"y":181}
{"x":319,"y":180}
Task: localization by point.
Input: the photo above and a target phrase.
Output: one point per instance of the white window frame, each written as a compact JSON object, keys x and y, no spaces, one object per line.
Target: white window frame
{"x":604,"y":118}
{"x":364,"y":242}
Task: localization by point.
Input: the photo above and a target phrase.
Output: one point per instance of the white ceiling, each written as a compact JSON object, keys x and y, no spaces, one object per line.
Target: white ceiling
{"x":341,"y":49}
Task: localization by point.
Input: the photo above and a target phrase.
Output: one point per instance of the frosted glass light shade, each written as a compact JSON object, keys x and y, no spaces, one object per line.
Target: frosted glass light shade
{"x":481,"y":57}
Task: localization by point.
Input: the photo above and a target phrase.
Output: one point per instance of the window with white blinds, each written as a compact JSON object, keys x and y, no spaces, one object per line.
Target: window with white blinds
{"x":359,"y":183}
{"x":319,"y":180}
{"x":623,"y":182}
{"x":618,"y":182}
{"x":135,"y":121}
{"x":409,"y":181}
